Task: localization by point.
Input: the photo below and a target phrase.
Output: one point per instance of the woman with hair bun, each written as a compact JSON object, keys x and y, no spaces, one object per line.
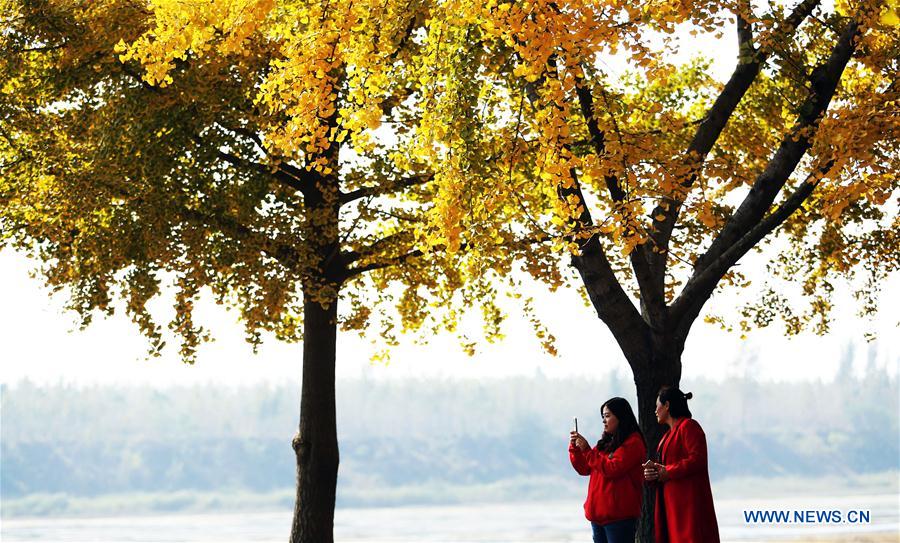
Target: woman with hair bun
{"x":613,"y":502}
{"x":684,"y":504}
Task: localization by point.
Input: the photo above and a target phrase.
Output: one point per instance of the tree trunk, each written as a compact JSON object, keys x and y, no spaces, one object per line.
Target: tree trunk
{"x":316,"y":444}
{"x":664,"y":369}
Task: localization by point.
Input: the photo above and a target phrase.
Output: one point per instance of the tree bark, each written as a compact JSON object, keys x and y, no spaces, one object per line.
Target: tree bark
{"x":316,"y":445}
{"x":653,"y":341}
{"x":663,"y":368}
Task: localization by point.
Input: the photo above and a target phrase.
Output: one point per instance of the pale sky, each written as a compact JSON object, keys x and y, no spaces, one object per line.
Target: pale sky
{"x":41,"y":343}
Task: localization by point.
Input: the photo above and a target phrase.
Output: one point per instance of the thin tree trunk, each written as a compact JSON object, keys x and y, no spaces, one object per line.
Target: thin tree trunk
{"x":316,"y":444}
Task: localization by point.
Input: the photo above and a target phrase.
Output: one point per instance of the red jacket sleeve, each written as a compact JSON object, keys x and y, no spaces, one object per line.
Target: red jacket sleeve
{"x":694,"y":441}
{"x":621,"y":462}
{"x":579,"y":462}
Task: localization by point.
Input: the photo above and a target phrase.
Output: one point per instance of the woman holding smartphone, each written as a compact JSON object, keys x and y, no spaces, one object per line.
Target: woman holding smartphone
{"x":684,"y":504}
{"x":613,"y":502}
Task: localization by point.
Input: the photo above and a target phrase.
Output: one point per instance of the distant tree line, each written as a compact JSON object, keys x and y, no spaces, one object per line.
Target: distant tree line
{"x":91,"y":441}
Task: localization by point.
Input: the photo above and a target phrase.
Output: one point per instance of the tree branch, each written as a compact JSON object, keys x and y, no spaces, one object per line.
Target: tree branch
{"x":249,"y":134}
{"x":41,"y":49}
{"x":744,"y":28}
{"x":397,"y":260}
{"x":653,"y":305}
{"x":387,"y":188}
{"x":279,"y":174}
{"x":415,"y":253}
{"x":298,"y":178}
{"x":598,"y":138}
{"x":609,"y":299}
{"x":687,"y":306}
{"x":299,"y":184}
{"x":349,"y":257}
{"x":649,"y":132}
{"x":295,"y":178}
{"x":287,"y":255}
{"x":407,"y":34}
{"x":749,"y":216}
{"x":750,"y":62}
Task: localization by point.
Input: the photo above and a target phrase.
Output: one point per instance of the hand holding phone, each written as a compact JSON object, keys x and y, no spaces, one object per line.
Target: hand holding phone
{"x":574,"y":435}
{"x":576,"y":439}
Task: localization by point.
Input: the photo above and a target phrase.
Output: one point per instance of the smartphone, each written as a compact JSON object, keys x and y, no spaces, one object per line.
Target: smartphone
{"x":576,"y":424}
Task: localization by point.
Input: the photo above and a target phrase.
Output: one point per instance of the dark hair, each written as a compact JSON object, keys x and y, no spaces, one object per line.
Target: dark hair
{"x":627,"y":425}
{"x":677,"y":401}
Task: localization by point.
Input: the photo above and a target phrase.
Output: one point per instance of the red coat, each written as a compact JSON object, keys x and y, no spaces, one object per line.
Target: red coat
{"x":684,"y":503}
{"x":614,"y":489}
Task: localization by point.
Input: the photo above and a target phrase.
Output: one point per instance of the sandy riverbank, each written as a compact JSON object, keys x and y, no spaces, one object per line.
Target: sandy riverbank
{"x":886,"y":537}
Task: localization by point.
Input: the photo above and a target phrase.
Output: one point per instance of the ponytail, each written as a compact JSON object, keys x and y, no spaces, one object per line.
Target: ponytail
{"x":677,"y":401}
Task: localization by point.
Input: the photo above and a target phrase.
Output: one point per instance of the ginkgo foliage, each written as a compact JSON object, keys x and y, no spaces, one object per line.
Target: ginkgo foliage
{"x":296,"y":156}
{"x":178,"y":136}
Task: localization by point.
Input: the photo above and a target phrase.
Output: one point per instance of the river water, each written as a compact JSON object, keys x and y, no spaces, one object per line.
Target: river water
{"x":554,"y":521}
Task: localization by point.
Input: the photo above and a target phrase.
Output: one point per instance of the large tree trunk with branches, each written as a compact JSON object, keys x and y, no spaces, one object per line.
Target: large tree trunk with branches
{"x":652,"y":339}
